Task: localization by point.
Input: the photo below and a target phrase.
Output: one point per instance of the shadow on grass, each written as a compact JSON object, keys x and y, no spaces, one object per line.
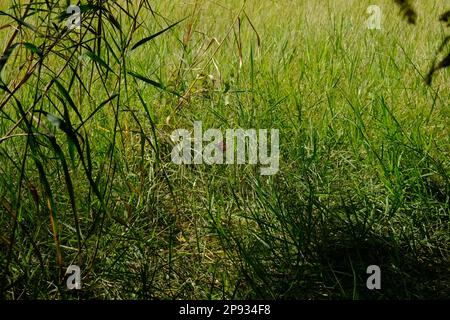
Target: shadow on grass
{"x":306,"y":250}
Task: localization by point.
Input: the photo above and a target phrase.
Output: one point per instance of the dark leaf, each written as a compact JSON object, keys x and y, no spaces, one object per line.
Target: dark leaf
{"x":445,"y":17}
{"x":145,"y":40}
{"x":152,"y":82}
{"x":98,"y":60}
{"x":408,"y":11}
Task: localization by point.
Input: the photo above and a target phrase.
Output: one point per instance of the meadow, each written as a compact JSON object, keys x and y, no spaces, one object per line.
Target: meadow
{"x":87,"y":179}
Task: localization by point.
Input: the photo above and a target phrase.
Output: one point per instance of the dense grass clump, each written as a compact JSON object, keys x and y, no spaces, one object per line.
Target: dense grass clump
{"x":86,"y":172}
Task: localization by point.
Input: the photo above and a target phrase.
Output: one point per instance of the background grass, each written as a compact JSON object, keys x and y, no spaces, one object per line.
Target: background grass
{"x":86,"y":176}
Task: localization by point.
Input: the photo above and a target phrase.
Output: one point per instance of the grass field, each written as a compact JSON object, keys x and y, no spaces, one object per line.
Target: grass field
{"x":85,"y":150}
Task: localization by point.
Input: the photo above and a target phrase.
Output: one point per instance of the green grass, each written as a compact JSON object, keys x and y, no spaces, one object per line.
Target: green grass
{"x":87,"y":179}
